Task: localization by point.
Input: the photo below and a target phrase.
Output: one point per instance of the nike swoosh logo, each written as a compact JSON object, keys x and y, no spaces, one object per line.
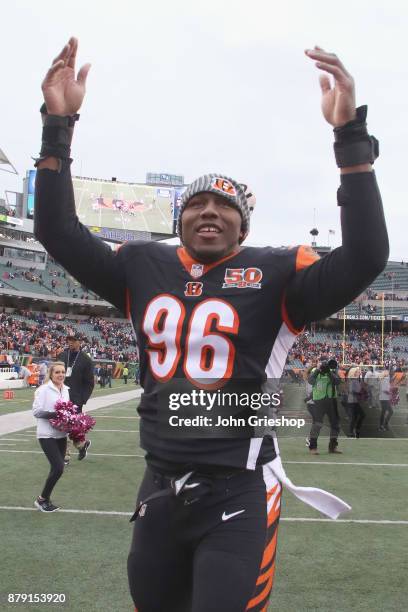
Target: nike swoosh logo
{"x":192,"y":485}
{"x":225,"y":516}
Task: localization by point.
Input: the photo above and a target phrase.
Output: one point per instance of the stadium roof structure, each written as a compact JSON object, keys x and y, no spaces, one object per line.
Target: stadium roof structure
{"x":4,"y":160}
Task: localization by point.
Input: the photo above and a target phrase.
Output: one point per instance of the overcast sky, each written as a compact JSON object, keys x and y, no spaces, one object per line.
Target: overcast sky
{"x":196,"y":86}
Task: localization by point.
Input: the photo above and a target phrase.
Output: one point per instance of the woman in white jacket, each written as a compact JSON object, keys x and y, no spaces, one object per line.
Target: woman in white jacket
{"x":52,"y":441}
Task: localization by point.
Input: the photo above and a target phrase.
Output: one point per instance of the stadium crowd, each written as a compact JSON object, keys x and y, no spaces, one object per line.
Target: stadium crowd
{"x":370,"y":294}
{"x":362,"y":347}
{"x":42,"y":336}
{"x":6,"y":210}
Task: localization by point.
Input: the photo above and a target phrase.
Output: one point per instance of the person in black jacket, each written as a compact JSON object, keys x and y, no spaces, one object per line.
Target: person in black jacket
{"x":212,"y":310}
{"x":80,"y":380}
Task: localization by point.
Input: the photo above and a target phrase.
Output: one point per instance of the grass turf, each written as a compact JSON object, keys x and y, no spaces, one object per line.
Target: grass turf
{"x":321,"y":566}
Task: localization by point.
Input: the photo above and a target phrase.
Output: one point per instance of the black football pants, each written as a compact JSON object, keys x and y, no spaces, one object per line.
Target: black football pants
{"x":320,"y":408}
{"x":386,"y":413}
{"x":357,"y":418}
{"x":210,"y":549}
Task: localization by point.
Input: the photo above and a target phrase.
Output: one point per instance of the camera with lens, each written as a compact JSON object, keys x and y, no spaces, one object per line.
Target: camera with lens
{"x":327,"y":366}
{"x":324,"y":367}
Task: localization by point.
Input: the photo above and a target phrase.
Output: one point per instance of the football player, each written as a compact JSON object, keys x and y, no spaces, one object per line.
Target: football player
{"x":209,"y":315}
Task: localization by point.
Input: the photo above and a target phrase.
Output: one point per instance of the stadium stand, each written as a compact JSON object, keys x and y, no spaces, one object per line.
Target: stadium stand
{"x":52,"y":280}
{"x":39,"y":335}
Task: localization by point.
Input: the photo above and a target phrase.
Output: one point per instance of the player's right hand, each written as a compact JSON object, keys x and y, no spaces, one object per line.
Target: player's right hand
{"x":63,"y":94}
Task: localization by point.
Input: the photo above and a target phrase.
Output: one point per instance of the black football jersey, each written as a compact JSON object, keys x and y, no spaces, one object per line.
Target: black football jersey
{"x":218,"y":322}
{"x":223,"y":322}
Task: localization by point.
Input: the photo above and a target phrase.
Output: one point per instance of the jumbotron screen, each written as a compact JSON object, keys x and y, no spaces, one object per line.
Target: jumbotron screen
{"x":127,"y":206}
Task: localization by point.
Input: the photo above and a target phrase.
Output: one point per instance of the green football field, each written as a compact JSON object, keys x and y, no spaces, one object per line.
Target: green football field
{"x":358,"y":563}
{"x":145,"y":208}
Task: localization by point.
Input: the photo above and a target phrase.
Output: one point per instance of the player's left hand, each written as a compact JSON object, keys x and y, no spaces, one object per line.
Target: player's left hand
{"x":338,"y":101}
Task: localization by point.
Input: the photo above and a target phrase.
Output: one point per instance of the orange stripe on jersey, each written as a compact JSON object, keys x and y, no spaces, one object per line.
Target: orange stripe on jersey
{"x":305,"y":257}
{"x":272,"y":492}
{"x":188,"y":261}
{"x":274,"y":512}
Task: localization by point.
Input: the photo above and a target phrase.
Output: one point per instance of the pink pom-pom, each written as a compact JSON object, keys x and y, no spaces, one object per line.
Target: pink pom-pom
{"x":67,"y":419}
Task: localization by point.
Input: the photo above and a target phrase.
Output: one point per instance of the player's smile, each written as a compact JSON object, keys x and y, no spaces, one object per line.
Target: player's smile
{"x":208,"y":230}
{"x":211,"y":227}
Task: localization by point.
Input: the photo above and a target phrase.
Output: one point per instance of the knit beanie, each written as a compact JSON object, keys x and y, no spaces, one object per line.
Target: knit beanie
{"x":220,"y":185}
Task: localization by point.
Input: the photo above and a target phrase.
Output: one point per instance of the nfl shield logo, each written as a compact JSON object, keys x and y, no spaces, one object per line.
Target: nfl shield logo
{"x":197,"y":270}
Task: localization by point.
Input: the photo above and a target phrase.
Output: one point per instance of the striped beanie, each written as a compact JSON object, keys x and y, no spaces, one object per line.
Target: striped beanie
{"x":223,"y":186}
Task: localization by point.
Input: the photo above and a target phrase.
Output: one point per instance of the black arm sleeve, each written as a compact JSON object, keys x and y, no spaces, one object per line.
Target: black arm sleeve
{"x":82,"y":254}
{"x":335,"y":280}
{"x":88,"y":380}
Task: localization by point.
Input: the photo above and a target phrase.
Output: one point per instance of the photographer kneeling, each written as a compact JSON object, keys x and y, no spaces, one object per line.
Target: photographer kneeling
{"x":324,"y":380}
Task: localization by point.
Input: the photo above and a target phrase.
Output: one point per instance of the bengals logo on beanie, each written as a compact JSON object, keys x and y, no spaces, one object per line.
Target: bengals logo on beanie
{"x":224,"y":185}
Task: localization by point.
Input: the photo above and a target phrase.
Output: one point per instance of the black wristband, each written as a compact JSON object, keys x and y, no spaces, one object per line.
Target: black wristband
{"x":56,"y":135}
{"x":353,"y":145}
{"x":58,"y":120}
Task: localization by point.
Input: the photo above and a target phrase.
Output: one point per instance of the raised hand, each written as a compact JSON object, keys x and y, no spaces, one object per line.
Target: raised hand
{"x":63,"y":94}
{"x":338,"y":102}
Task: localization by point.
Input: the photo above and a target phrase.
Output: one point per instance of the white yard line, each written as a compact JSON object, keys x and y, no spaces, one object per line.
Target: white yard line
{"x":346,"y":463}
{"x":344,"y":439}
{"x":82,"y":190}
{"x":166,"y":221}
{"x":122,"y":219}
{"x":359,"y":521}
{"x":68,"y":511}
{"x":285,"y":519}
{"x":115,"y":430}
{"x":285,"y":462}
{"x":33,"y":452}
{"x":24,"y":435}
{"x":141,"y":213}
{"x":106,"y":416}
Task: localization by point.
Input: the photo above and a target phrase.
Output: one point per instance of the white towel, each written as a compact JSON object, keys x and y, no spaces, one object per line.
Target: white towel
{"x":325,"y":502}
